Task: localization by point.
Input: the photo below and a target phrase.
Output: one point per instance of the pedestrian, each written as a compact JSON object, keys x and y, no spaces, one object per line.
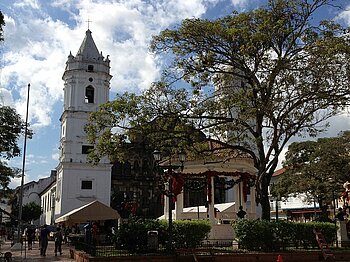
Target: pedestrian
{"x":30,"y":233}
{"x":341,"y":215}
{"x":44,"y":240}
{"x":37,"y":235}
{"x":58,"y":241}
{"x":88,"y":233}
{"x":241,"y":213}
{"x":65,"y":231}
{"x":95,"y":233}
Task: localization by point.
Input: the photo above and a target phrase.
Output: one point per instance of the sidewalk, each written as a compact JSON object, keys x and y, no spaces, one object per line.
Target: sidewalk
{"x":34,"y":254}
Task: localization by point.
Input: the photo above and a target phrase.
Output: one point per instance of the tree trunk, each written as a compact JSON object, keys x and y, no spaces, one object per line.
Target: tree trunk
{"x":264,"y":200}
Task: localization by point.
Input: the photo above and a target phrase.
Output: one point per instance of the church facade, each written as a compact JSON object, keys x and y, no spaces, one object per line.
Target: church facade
{"x":128,"y":187}
{"x":86,"y":86}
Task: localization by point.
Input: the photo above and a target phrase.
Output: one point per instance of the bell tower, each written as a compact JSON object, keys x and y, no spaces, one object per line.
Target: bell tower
{"x":86,"y":86}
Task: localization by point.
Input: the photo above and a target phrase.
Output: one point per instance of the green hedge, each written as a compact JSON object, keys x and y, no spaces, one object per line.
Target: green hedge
{"x":260,"y":235}
{"x":189,"y":234}
{"x":133,"y":233}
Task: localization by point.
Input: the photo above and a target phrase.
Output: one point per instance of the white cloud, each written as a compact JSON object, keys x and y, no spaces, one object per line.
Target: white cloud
{"x":345,"y":15}
{"x":27,"y":3}
{"x":37,"y":46}
{"x":55,"y":156}
{"x":39,"y":36}
{"x":239,"y":3}
{"x":5,"y":97}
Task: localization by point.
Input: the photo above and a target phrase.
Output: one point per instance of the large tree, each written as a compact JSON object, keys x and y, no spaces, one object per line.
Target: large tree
{"x":317,"y":169}
{"x":12,"y":127}
{"x":30,"y":211}
{"x":259,"y":78}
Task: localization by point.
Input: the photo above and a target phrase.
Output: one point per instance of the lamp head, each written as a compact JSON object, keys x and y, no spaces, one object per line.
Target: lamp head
{"x":157,"y":155}
{"x":182,"y":156}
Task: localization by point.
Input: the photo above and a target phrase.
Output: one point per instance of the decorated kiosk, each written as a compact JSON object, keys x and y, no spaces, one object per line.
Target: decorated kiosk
{"x":227,"y":178}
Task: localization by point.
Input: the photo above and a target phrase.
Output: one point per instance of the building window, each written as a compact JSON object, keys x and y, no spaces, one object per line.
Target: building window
{"x":90,"y":68}
{"x":89,"y":95}
{"x":63,"y":130}
{"x":86,"y":184}
{"x":86,"y":149}
{"x":127,"y":169}
{"x":117,"y":169}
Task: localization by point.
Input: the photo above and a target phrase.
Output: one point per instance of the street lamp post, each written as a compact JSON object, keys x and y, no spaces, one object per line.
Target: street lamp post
{"x":171,"y":168}
{"x":20,"y":208}
{"x":335,"y":220}
{"x":332,"y":181}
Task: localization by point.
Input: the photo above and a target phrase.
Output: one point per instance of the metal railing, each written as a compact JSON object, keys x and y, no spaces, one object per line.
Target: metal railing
{"x":107,"y":249}
{"x":206,"y":247}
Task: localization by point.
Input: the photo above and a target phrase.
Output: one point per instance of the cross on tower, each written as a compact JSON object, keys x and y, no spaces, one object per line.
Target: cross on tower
{"x":88,"y":22}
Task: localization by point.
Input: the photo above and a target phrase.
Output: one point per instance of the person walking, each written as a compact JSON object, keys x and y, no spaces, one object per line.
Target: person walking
{"x":341,"y":214}
{"x":58,"y":241}
{"x":44,"y":240}
{"x":30,"y":237}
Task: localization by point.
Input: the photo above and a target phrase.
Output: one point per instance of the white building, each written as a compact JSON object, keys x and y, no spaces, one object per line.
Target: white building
{"x":296,"y":208}
{"x":86,"y":86}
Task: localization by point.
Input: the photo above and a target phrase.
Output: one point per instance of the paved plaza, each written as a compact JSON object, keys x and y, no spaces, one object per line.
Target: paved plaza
{"x":34,"y":254}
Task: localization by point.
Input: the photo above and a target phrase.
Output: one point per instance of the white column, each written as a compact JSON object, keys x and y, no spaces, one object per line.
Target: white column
{"x":166,"y":204}
{"x":252,"y":202}
{"x":236,"y":194}
{"x":243,"y":203}
{"x":211,"y":205}
{"x":179,"y":206}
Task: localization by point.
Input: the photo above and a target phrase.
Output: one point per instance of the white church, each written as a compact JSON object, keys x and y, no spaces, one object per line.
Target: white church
{"x":75,"y":182}
{"x":86,"y":86}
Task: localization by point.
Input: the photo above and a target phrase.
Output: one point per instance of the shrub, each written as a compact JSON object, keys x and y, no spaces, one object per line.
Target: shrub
{"x":132,"y":234}
{"x":189,"y":234}
{"x":260,"y":235}
{"x":254,"y":234}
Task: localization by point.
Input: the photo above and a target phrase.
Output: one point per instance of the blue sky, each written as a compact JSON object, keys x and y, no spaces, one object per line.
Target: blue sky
{"x":39,"y":34}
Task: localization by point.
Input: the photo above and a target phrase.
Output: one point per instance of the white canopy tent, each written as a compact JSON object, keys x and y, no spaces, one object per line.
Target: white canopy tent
{"x":94,"y":211}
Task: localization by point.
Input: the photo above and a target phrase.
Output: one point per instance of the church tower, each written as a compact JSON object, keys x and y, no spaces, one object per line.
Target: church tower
{"x":86,"y":86}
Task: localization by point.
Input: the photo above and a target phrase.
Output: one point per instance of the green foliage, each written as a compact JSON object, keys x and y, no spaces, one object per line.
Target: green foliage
{"x":31,"y":211}
{"x":274,"y":70}
{"x":138,"y":120}
{"x":324,"y":163}
{"x":254,"y":234}
{"x":260,"y":235}
{"x":11,"y":128}
{"x":189,"y":234}
{"x":132,"y":234}
{"x":266,"y":75}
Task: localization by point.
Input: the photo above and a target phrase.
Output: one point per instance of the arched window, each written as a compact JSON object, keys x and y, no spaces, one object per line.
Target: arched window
{"x":145,"y":167}
{"x":89,"y":95}
{"x":117,"y":169}
{"x":136,"y":167}
{"x":127,"y":169}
